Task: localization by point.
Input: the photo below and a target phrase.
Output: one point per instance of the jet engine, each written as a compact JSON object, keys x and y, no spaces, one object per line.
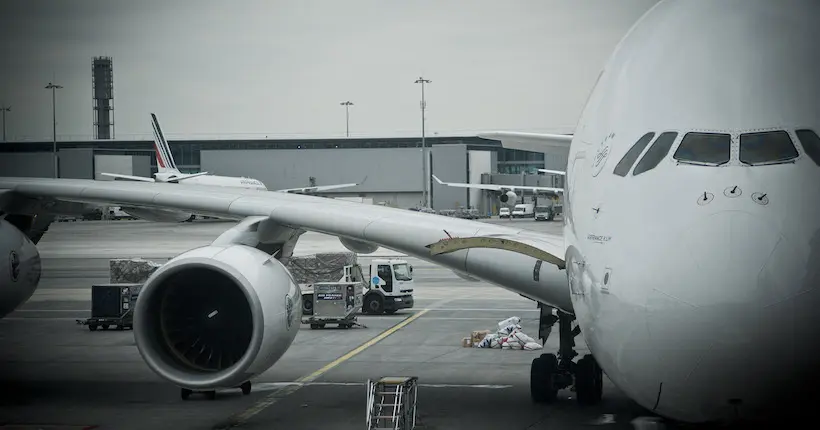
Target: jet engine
{"x":20,"y":268}
{"x":359,"y":246}
{"x":509,"y":198}
{"x":216,"y":316}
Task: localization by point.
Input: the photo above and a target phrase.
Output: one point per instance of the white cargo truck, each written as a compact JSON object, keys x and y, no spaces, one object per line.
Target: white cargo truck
{"x":390,"y":286}
{"x":387,"y":286}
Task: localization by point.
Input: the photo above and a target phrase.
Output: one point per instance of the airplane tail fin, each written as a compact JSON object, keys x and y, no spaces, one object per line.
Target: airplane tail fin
{"x":165,"y":160}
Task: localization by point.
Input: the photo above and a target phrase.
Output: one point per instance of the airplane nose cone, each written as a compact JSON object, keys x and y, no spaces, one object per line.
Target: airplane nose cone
{"x":734,"y":319}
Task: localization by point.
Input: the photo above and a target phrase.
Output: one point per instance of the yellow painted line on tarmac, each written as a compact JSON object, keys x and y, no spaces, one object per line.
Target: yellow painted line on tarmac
{"x":275,"y":396}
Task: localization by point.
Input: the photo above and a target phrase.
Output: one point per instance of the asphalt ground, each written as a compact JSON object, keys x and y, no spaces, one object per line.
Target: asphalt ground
{"x":56,"y":374}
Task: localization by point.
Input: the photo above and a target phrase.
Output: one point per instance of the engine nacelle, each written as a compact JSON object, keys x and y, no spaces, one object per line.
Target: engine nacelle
{"x":465,"y":276}
{"x":358,"y":246}
{"x":509,"y":198}
{"x":216,"y":316}
{"x":20,"y":268}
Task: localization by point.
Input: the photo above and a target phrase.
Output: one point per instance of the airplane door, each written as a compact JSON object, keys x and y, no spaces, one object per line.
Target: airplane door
{"x":575,"y":171}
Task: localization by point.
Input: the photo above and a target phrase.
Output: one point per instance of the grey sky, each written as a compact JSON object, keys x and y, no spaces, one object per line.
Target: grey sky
{"x":251,"y":68}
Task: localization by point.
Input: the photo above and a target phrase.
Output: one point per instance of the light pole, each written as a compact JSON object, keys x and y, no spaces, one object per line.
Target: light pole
{"x":424,"y":157}
{"x":54,"y":89}
{"x":347,"y":105}
{"x":5,"y":109}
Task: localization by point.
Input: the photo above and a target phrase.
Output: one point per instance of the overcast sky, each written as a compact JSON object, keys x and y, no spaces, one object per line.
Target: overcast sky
{"x":250,"y":68}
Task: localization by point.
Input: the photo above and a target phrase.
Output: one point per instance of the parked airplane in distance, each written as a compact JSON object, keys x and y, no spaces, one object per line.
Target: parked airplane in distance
{"x":689,"y":257}
{"x":167,"y":172}
{"x":505,"y":193}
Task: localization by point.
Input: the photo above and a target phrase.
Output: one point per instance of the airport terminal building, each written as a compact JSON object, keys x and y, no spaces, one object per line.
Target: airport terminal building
{"x":391,"y":168}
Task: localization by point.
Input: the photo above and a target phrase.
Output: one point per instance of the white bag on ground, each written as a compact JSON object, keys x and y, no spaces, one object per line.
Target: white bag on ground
{"x":507,"y":330}
{"x":487,"y":341}
{"x":508,"y":322}
{"x":521,"y":337}
{"x":532,"y":346}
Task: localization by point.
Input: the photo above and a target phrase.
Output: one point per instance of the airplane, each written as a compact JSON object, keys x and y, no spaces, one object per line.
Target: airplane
{"x":168,"y":172}
{"x":505,"y":193}
{"x":700,"y":306}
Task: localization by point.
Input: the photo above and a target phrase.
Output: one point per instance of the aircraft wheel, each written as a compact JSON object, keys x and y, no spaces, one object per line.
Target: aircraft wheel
{"x":210,"y":395}
{"x":184,"y":393}
{"x":588,"y":381}
{"x":246,"y":387}
{"x":542,"y":375}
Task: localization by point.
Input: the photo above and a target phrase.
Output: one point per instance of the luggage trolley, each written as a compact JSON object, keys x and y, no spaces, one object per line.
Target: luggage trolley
{"x":112,"y":305}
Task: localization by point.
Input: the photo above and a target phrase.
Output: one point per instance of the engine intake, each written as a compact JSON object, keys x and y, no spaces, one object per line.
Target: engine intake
{"x":509,"y":198}
{"x":217,"y":316}
{"x":20,"y":267}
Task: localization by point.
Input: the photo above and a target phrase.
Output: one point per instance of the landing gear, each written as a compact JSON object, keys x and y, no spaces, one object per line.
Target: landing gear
{"x":550,"y":372}
{"x":589,"y":380}
{"x":246,"y":388}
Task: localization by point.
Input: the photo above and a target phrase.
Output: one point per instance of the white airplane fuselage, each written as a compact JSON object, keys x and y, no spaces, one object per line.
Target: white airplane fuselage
{"x":698,"y":284}
{"x":171,"y":215}
{"x":215,"y":180}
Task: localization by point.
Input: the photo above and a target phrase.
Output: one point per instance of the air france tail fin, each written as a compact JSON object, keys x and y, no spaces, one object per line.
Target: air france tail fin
{"x":165,"y":160}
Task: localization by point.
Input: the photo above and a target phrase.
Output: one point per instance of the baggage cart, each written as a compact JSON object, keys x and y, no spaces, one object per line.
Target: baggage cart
{"x":112,"y":305}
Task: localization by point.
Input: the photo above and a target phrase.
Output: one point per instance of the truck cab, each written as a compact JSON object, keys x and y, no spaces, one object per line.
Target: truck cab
{"x":544,"y":213}
{"x":389,"y":286}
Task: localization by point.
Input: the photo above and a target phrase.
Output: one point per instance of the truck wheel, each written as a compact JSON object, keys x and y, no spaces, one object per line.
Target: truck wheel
{"x":373,"y":304}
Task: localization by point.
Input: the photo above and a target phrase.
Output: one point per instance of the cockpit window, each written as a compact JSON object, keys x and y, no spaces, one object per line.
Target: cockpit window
{"x":656,"y":152}
{"x":623,"y":166}
{"x":811,"y":144}
{"x":705,"y":148}
{"x":766,"y":147}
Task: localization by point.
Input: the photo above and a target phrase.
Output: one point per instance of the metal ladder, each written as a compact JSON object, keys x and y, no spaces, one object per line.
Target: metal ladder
{"x":391,"y":403}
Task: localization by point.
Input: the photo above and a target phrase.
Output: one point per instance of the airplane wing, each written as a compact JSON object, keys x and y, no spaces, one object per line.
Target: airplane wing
{"x":536,"y":142}
{"x":183,"y":177}
{"x":553,"y":172}
{"x":526,"y":262}
{"x":127,"y":177}
{"x":315,"y":189}
{"x":500,"y":188}
{"x":305,"y":190}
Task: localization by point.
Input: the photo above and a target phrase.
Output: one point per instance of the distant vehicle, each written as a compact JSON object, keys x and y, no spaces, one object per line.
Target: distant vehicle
{"x":504,"y":212}
{"x":544,"y":213}
{"x":523,"y":210}
{"x":388,"y":286}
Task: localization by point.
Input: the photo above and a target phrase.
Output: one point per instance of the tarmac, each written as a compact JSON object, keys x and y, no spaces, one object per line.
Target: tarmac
{"x":56,"y":374}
